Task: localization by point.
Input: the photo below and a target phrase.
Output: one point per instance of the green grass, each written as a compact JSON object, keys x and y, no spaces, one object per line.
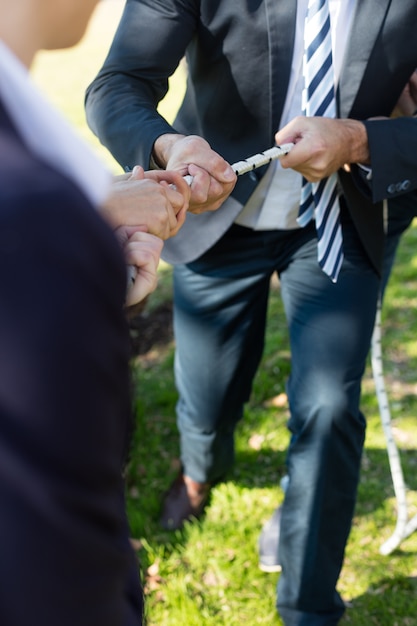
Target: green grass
{"x":207,"y":574}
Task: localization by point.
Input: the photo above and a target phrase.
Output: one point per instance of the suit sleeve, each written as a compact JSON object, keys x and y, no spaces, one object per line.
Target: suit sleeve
{"x":64,"y":404}
{"x":393,"y":150}
{"x":122,"y":100}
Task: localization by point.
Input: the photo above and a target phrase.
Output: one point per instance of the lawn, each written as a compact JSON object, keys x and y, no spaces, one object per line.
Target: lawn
{"x":207,"y":574}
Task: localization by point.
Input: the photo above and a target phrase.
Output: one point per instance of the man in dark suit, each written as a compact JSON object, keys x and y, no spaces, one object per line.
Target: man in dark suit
{"x":64,"y":403}
{"x":244,"y":83}
{"x":65,"y":554}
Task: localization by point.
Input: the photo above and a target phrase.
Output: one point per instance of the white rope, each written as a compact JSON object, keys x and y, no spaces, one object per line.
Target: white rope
{"x":404,"y":527}
{"x":262,"y":158}
{"x":393,"y":455}
{"x":256,"y":160}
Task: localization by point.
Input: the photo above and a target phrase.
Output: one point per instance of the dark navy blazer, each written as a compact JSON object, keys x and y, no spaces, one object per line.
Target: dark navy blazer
{"x":239,"y":56}
{"x":65,"y":556}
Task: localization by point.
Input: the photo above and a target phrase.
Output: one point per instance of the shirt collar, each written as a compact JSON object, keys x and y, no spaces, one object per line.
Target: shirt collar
{"x":46,"y":132}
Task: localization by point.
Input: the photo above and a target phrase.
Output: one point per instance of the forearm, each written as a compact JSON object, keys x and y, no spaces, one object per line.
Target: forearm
{"x":122,"y":101}
{"x":356,"y":141}
{"x":162,"y":149}
{"x":126,"y":122}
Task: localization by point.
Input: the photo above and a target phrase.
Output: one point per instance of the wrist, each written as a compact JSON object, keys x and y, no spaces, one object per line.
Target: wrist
{"x":357,"y":142}
{"x":161,"y":150}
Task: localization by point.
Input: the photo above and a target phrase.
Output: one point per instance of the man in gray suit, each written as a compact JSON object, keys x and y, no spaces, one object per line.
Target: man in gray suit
{"x":244,"y":83}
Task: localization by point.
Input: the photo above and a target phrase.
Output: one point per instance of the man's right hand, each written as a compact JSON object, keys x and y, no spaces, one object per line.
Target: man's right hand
{"x":213,"y":178}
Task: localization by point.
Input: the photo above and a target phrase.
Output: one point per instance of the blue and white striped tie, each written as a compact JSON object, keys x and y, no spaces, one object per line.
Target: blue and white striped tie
{"x":320,"y":200}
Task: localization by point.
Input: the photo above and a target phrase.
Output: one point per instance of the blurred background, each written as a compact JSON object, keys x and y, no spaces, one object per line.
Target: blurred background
{"x":65,"y":74}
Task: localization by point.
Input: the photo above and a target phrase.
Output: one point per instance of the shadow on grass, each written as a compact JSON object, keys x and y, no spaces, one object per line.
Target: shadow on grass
{"x":253,"y":470}
{"x":398,"y":606}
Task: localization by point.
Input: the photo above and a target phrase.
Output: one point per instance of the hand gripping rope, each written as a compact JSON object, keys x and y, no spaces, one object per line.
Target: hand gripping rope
{"x":239,"y":168}
{"x":256,"y":160}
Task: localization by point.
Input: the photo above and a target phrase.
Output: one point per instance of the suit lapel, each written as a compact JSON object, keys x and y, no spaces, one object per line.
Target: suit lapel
{"x":366,"y":25}
{"x":281,"y":19}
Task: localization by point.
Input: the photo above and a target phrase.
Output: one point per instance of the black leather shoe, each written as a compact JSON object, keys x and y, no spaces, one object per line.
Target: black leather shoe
{"x":184,"y":500}
{"x":268,"y":544}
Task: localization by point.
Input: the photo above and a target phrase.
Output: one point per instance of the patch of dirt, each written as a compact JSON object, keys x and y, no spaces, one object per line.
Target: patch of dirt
{"x":149,"y":329}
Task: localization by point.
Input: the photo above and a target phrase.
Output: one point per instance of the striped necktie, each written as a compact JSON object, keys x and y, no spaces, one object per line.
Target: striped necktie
{"x":320,"y":200}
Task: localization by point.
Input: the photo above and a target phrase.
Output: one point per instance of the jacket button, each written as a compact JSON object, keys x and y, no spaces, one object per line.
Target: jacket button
{"x":399,"y":187}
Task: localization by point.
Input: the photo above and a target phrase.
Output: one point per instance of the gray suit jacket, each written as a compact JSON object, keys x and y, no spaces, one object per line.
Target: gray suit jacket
{"x":239,"y":57}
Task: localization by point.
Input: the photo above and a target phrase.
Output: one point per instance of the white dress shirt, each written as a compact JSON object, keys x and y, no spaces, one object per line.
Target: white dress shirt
{"x":275,"y":203}
{"x":46,"y":132}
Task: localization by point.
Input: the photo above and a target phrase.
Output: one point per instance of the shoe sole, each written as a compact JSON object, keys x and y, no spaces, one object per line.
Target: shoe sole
{"x":270,"y":569}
